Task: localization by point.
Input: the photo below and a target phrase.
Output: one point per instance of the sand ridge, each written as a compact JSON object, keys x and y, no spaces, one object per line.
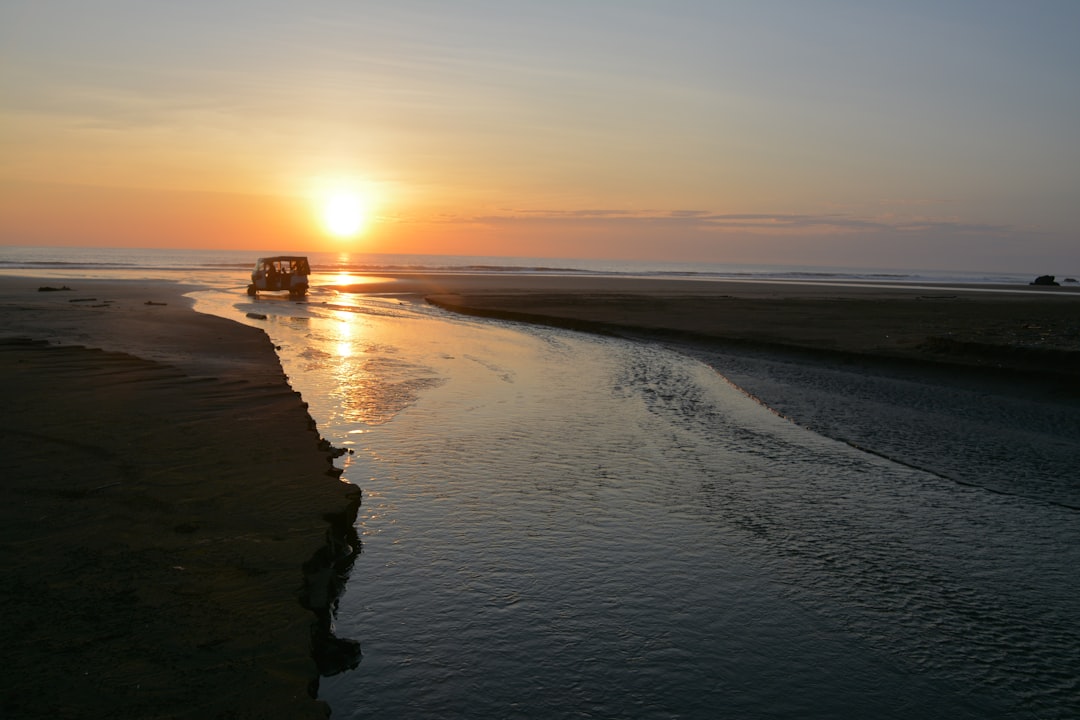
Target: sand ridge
{"x":161,"y":503}
{"x":1031,"y":333}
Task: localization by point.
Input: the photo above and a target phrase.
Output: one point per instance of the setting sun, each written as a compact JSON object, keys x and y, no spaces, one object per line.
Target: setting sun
{"x":344,"y":214}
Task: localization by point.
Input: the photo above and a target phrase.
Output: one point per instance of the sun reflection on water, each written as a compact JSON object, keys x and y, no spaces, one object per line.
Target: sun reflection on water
{"x":345,"y":343}
{"x":346,"y":281}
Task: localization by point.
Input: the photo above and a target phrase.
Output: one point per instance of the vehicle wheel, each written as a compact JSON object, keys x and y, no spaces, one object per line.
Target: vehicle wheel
{"x":251,"y":289}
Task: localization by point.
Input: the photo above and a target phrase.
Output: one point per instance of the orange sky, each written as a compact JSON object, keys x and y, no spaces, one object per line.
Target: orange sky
{"x":917,"y":137}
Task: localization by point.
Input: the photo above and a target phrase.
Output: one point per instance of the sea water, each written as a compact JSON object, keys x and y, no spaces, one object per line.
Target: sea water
{"x":558,"y":525}
{"x":214,"y":265}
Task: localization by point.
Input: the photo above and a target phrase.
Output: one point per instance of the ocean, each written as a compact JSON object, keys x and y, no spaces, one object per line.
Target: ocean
{"x":94,"y":262}
{"x":560,"y":525}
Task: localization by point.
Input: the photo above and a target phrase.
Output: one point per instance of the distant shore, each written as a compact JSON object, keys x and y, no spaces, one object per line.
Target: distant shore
{"x":1023,"y":329}
{"x":1006,"y":333}
{"x":172,"y":529}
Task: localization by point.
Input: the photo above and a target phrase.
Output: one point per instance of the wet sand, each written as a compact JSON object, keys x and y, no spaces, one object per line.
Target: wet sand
{"x":168,"y":512}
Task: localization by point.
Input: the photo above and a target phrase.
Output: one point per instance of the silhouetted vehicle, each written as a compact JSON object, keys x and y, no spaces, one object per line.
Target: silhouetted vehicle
{"x":282,"y":272}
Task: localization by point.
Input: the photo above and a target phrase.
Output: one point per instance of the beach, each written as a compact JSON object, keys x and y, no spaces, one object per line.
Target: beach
{"x":168,"y":511}
{"x":166,"y":488}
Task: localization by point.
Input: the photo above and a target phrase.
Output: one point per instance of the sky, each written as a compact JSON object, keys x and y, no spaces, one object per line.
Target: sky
{"x":924,"y":134}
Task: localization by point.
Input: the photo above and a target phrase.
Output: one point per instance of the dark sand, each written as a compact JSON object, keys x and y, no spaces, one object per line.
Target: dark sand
{"x":167,"y":511}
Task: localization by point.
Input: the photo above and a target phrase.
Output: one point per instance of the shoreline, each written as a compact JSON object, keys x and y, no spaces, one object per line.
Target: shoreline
{"x":1019,"y":332}
{"x":940,"y":384}
{"x":174,"y":529}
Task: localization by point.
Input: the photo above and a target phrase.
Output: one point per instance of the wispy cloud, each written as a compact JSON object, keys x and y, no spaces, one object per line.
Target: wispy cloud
{"x":705,"y":220}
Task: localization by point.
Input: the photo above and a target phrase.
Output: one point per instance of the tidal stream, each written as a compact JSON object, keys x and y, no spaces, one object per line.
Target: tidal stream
{"x":558,"y":525}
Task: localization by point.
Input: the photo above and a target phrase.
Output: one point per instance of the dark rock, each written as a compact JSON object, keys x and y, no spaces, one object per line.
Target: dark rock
{"x":1069,"y":280}
{"x":1044,"y":280}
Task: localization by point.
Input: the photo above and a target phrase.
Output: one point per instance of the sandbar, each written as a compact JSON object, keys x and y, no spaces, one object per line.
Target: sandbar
{"x":980,"y":386}
{"x":1007,"y":328}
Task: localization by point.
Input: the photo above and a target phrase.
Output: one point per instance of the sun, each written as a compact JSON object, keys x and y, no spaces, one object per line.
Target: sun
{"x":344,"y":213}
